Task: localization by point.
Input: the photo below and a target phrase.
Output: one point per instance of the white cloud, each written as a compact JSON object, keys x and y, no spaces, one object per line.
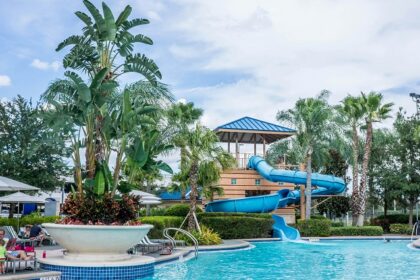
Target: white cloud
{"x":5,"y":81}
{"x":43,"y":65}
{"x":292,"y":49}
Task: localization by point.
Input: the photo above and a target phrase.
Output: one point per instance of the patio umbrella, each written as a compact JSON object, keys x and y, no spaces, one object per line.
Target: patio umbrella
{"x":143,"y":194}
{"x":19,"y":197}
{"x":7,"y":184}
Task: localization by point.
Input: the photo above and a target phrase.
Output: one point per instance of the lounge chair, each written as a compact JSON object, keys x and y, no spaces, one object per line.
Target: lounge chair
{"x":147,"y":246}
{"x":12,"y":262}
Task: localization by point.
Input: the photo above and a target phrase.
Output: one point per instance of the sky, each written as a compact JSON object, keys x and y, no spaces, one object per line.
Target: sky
{"x":235,"y":58}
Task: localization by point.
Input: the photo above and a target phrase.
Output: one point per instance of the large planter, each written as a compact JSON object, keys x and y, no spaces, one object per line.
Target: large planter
{"x":97,"y":243}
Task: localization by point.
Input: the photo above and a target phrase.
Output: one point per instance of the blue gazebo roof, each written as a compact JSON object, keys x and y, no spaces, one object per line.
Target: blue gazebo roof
{"x":250,"y":130}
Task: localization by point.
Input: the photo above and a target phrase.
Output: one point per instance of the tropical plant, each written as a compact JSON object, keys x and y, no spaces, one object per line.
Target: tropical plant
{"x":180,"y":118}
{"x":100,"y":118}
{"x":201,"y":147}
{"x":353,"y":112}
{"x":375,"y":111}
{"x":209,"y":173}
{"x":311,"y":117}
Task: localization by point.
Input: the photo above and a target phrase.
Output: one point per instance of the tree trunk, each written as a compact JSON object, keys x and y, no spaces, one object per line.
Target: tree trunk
{"x":308,"y":189}
{"x":99,"y":140}
{"x":90,"y":149}
{"x":355,"y":180}
{"x":193,"y":195}
{"x":411,"y":213}
{"x":361,"y":206}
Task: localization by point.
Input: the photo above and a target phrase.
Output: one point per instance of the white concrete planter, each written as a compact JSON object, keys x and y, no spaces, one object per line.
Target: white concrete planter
{"x":97,"y":243}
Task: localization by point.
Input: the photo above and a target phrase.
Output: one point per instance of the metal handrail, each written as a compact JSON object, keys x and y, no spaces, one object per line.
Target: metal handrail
{"x":415,"y":230}
{"x":195,"y":241}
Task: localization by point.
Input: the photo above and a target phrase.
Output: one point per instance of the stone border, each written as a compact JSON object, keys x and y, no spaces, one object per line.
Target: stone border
{"x":186,"y":251}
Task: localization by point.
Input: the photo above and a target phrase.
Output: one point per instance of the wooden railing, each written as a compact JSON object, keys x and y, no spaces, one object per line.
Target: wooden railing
{"x":243,"y":158}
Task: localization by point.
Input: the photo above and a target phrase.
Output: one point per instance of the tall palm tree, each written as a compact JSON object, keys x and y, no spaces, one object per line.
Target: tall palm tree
{"x":180,"y":117}
{"x":353,"y":112}
{"x":375,"y":111}
{"x":311,"y":119}
{"x":200,"y":149}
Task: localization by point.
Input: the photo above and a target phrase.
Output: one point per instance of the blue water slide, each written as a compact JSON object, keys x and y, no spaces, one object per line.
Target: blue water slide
{"x":282,"y":230}
{"x":323,"y":185}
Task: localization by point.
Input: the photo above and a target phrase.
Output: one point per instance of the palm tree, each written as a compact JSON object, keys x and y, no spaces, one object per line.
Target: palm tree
{"x":180,"y":117}
{"x":311,"y":119}
{"x":375,"y":111}
{"x":210,"y":170}
{"x":353,"y":113}
{"x":201,"y":148}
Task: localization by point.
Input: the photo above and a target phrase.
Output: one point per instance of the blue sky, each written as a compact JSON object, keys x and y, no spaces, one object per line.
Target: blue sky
{"x":235,"y":58}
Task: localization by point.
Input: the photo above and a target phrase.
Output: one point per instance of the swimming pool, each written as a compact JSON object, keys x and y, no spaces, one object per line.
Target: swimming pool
{"x":372,"y":259}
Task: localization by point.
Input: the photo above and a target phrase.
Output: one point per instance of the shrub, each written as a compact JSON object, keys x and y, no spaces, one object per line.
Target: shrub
{"x":357,"y":231}
{"x":238,"y":226}
{"x":27,"y":220}
{"x":160,"y":223}
{"x":314,"y":227}
{"x":100,"y":210}
{"x":180,"y":210}
{"x":206,"y":237}
{"x":155,"y":211}
{"x":401,"y":229}
{"x":237,"y":214}
{"x":337,"y":224}
{"x":313,"y":217}
{"x":385,"y":222}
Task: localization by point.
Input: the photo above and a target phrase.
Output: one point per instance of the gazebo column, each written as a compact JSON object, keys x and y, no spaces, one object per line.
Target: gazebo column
{"x":228,"y":142}
{"x":255,"y":144}
{"x":237,"y":148}
{"x":264,"y":142}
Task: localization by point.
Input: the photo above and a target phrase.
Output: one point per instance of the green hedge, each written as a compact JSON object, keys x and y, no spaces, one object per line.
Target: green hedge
{"x":238,"y":226}
{"x":386,"y":222}
{"x":314,"y":227}
{"x":159,"y":223}
{"x":337,"y":224}
{"x":357,"y":231}
{"x":226,"y":214}
{"x":313,"y":217}
{"x":401,"y":229}
{"x":180,"y":210}
{"x":27,"y":220}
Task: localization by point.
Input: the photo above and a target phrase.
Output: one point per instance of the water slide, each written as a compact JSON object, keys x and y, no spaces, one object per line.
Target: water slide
{"x":323,"y":185}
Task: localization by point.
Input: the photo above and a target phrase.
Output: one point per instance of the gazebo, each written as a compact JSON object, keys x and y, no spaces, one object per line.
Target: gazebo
{"x":248,"y":130}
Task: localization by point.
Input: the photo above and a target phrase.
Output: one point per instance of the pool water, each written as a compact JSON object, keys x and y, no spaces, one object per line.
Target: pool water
{"x":321,"y":260}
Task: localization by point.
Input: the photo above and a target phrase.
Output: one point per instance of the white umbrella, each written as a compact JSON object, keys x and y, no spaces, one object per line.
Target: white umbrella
{"x":7,"y":184}
{"x":143,"y":194}
{"x":19,"y":197}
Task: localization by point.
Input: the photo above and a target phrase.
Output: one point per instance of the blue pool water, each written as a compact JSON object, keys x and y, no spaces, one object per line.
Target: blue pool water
{"x":280,"y":260}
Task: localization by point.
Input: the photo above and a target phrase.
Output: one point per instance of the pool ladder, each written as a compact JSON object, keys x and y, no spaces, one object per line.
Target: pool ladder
{"x":415,"y":230}
{"x":173,"y":242}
